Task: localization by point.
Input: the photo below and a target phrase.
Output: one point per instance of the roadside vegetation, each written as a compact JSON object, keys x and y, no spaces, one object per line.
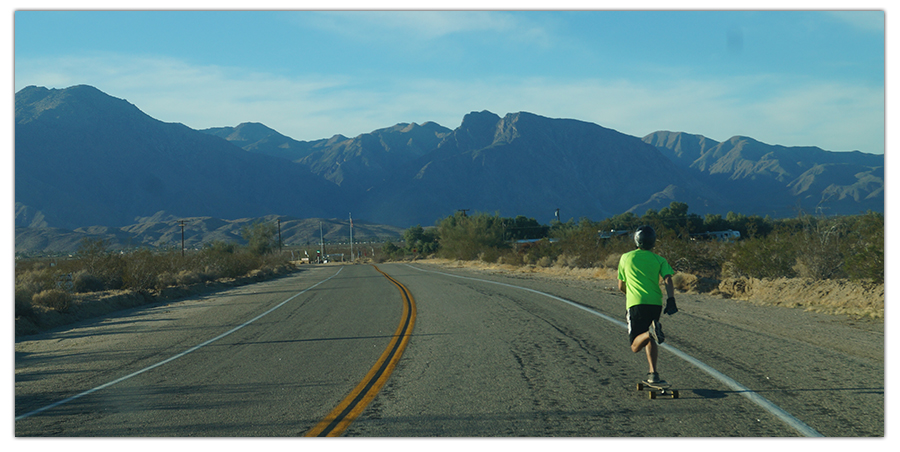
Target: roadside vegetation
{"x":50,"y":293}
{"x":847,"y":247}
{"x":769,"y":252}
{"x":808,"y":248}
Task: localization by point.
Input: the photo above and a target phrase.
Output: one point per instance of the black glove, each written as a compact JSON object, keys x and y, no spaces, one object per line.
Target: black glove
{"x":670,"y":306}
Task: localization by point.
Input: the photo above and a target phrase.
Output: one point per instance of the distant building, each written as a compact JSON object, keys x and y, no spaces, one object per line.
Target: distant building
{"x":612,"y":233}
{"x":724,"y":236}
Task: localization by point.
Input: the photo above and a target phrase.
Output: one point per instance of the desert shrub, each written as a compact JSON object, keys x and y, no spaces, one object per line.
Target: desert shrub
{"x":567,"y":261}
{"x":83,"y":281}
{"x":225,"y":260}
{"x":238,"y":264}
{"x":542,"y":249}
{"x":23,"y":300}
{"x":219,"y":247}
{"x":110,"y":269}
{"x":275,"y":260}
{"x":612,"y":260}
{"x":818,"y":250}
{"x":490,"y":255}
{"x":702,"y":258}
{"x":579,"y":244}
{"x":188,"y":277}
{"x":92,"y":253}
{"x":772,"y":256}
{"x":683,"y":281}
{"x":142,"y":269}
{"x":55,"y":299}
{"x":165,"y":279}
{"x":35,"y":281}
{"x":864,"y":248}
{"x":509,"y":257}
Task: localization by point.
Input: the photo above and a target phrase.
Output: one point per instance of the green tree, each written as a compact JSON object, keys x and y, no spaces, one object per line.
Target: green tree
{"x":392,"y":251}
{"x":421,"y":241}
{"x":622,"y":222}
{"x":261,"y":237}
{"x":674,"y":217}
{"x":714,"y":222}
{"x":523,"y":228}
{"x":465,"y":237}
{"x":749,"y":226}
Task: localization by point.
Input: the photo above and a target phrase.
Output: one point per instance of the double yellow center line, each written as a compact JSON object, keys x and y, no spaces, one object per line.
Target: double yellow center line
{"x":350,"y":408}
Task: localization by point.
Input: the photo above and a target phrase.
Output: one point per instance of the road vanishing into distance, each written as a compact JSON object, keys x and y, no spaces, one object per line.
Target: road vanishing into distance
{"x":416,"y":350}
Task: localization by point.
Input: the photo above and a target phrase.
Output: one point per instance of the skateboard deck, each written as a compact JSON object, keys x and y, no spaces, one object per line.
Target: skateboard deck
{"x":655,"y":390}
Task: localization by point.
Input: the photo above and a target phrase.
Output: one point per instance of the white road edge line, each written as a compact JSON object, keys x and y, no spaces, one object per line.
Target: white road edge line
{"x":767,"y":405}
{"x":192,"y":349}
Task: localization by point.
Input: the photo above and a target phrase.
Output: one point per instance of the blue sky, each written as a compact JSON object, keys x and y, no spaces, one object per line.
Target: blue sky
{"x":794,"y":78}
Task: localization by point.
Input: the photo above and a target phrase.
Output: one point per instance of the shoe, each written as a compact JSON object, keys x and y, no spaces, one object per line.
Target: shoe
{"x":653,"y":377}
{"x":656,"y":332}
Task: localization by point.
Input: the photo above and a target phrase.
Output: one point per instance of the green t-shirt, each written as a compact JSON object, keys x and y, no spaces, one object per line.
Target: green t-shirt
{"x":641,"y":270}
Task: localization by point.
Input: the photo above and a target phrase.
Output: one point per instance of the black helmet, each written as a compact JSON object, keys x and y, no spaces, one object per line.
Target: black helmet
{"x":645,"y":237}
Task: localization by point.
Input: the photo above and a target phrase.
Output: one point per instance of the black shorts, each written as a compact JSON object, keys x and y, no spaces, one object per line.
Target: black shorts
{"x":639,"y":317}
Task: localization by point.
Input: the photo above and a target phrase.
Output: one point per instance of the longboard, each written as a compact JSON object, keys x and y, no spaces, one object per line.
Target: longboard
{"x":658,"y":389}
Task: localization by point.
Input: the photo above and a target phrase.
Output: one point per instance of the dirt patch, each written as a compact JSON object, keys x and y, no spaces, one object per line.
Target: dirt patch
{"x":840,"y":297}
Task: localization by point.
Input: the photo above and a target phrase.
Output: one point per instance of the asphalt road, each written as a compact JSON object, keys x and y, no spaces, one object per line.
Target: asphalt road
{"x":525,"y":357}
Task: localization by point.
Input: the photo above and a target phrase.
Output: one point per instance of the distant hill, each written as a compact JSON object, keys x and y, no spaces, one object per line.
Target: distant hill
{"x":525,"y":164}
{"x":86,"y":161}
{"x":778,"y":178}
{"x":257,"y":138}
{"x":85,"y":158}
{"x":356,"y":163}
{"x":163,"y":231}
{"x":361,"y":163}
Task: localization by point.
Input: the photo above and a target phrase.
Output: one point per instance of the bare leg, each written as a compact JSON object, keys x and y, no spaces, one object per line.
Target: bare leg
{"x":643,"y":341}
{"x":640,"y":342}
{"x":652,"y":354}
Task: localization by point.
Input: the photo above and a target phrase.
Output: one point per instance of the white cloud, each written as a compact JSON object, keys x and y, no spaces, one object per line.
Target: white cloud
{"x":872,"y":21}
{"x":414,"y":26}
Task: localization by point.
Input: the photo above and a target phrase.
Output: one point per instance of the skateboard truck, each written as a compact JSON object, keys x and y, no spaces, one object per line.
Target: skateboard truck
{"x":655,"y":390}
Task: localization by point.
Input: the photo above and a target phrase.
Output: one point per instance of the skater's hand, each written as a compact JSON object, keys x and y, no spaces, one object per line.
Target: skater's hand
{"x":670,"y":306}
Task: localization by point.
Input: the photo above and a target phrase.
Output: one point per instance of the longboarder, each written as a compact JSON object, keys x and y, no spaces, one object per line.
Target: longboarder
{"x":639,"y":279}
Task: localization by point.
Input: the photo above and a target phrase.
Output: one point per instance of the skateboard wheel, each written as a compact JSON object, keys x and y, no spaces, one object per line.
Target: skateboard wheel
{"x":652,"y":395}
{"x":675,"y":394}
{"x":640,"y":387}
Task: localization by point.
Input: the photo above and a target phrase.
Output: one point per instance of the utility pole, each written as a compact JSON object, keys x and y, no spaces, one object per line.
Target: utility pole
{"x":182,"y":237}
{"x":279,"y":235}
{"x":351,"y":236}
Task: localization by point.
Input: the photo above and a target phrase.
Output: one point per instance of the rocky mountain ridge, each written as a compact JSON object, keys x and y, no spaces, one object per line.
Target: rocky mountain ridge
{"x":84,"y":158}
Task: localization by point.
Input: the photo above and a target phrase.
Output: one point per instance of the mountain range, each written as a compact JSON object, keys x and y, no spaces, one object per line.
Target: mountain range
{"x":86,"y":159}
